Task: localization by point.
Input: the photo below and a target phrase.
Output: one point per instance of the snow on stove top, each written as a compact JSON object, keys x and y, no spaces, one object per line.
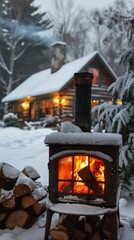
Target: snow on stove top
{"x":84,"y":138}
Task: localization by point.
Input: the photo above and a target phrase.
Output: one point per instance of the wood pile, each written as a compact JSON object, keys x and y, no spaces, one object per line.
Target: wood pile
{"x":69,"y":227}
{"x":21,"y":197}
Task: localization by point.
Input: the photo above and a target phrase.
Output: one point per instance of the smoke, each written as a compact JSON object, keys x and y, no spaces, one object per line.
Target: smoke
{"x":30,"y":32}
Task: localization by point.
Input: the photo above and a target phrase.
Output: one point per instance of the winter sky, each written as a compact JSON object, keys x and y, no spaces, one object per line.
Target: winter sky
{"x":47,"y":5}
{"x":87,"y":4}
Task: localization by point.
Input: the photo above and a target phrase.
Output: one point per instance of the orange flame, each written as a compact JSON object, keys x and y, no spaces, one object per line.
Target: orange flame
{"x":76,"y":174}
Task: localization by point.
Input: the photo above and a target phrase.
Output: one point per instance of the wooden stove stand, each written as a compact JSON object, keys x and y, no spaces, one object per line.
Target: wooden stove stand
{"x":82,"y":210}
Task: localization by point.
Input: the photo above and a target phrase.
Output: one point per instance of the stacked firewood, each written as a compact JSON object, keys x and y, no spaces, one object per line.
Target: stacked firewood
{"x":21,"y":197}
{"x":83,"y":228}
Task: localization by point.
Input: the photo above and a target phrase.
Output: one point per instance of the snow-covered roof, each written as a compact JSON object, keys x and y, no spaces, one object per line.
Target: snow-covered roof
{"x":45,"y":82}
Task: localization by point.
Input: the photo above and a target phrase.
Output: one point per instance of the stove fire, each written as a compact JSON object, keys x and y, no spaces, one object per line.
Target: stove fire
{"x":81,"y":174}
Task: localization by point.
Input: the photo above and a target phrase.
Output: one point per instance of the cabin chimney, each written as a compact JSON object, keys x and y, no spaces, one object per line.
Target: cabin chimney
{"x":82,"y":114}
{"x":58,"y":55}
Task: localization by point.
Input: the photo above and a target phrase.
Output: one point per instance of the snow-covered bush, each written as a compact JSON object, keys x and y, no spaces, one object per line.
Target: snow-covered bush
{"x":119,"y":118}
{"x":10,"y":120}
{"x":1,"y":124}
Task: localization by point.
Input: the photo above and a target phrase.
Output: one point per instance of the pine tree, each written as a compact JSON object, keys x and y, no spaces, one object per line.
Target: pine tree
{"x":20,"y":23}
{"x":118,"y":116}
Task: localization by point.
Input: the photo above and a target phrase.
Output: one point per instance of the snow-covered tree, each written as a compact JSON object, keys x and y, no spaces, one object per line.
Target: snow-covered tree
{"x":108,"y":28}
{"x":19,"y":21}
{"x":118,"y":116}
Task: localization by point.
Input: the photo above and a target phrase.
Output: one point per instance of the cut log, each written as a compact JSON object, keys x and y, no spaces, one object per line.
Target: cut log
{"x":2,"y":183}
{"x":9,"y":174}
{"x":63,"y":227}
{"x":2,"y":216}
{"x":21,"y":190}
{"x":92,"y":219}
{"x":88,"y":227}
{"x":4,"y":194}
{"x":38,"y":208}
{"x":78,"y":235}
{"x":9,"y":203}
{"x":59,"y":234}
{"x":110,"y":225}
{"x":17,"y":218}
{"x":39,"y":193}
{"x":19,"y":197}
{"x":27,"y":201}
{"x":31,"y":172}
{"x":23,"y":186}
{"x":95,"y":236}
{"x":89,"y":180}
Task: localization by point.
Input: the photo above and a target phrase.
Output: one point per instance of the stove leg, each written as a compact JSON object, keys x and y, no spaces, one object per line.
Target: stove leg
{"x":113,"y":217}
{"x":48,"y":223}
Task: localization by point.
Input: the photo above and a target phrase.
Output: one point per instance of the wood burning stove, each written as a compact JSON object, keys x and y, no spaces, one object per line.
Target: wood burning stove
{"x":83,"y":167}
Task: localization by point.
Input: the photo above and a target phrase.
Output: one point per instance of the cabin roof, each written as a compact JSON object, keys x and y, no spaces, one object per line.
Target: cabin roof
{"x":45,"y":82}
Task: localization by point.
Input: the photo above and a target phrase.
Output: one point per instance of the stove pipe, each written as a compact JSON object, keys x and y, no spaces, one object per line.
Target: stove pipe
{"x":82,"y":114}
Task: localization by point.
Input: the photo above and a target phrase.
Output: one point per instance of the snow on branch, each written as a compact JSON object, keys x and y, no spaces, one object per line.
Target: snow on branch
{"x":126,"y":58}
{"x":123,"y":156}
{"x":122,"y":118}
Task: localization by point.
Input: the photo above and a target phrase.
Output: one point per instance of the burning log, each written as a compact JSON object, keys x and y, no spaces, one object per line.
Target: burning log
{"x":63,"y":227}
{"x":86,"y":175}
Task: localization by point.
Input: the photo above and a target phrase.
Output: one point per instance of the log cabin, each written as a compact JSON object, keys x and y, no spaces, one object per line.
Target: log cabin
{"x":49,"y":94}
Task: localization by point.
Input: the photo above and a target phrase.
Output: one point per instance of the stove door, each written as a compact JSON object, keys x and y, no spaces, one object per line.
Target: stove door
{"x":81,"y":175}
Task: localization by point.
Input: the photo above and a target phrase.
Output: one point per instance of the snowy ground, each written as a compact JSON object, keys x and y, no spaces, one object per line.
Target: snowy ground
{"x":20,"y":148}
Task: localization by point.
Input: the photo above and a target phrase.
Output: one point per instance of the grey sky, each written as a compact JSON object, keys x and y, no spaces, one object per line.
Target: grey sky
{"x":87,"y":4}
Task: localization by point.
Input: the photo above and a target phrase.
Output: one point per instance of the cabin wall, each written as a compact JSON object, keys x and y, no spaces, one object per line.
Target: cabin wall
{"x":67,"y":106}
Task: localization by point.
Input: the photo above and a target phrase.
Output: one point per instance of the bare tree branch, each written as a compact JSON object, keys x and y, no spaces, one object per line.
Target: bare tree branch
{"x":4,"y":83}
{"x":17,"y":80}
{"x":3,"y":64}
{"x":21,"y":53}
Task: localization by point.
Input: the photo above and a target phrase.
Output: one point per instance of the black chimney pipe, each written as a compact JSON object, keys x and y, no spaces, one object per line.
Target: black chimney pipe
{"x":82,"y":114}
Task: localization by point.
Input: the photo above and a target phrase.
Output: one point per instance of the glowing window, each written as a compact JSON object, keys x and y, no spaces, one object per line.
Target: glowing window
{"x":95,"y":73}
